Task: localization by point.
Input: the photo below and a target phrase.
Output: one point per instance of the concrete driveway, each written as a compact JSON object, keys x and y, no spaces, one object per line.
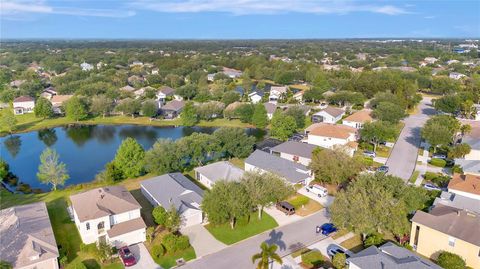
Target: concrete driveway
{"x":403,"y":157}
{"x":326,"y":201}
{"x":280,"y":217}
{"x":144,"y":260}
{"x":202,"y":240}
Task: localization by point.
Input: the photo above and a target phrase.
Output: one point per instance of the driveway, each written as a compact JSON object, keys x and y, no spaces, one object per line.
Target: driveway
{"x":202,"y":241}
{"x":289,"y":238}
{"x":280,"y":217}
{"x":144,"y":260}
{"x":326,"y":201}
{"x":403,"y":157}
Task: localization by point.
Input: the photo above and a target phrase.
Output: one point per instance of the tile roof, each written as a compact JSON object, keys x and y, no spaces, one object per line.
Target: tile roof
{"x":360,"y":116}
{"x":295,"y":148}
{"x":126,"y":227}
{"x":221,"y":170}
{"x":103,"y":202}
{"x":458,"y":223}
{"x":26,"y":232}
{"x":23,"y":99}
{"x":466,"y":183}
{"x":330,"y":130}
{"x":292,"y":172}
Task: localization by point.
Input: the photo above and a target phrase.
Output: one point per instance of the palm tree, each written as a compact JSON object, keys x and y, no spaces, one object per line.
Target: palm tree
{"x":267,"y":254}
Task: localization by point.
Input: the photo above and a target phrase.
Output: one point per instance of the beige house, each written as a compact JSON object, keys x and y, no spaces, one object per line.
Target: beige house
{"x":109,"y":214}
{"x":26,"y":237}
{"x":332,"y":136}
{"x":447,"y":228}
{"x":358,"y":119}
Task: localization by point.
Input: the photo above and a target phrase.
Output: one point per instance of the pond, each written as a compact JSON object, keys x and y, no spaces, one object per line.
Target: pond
{"x":85,"y":149}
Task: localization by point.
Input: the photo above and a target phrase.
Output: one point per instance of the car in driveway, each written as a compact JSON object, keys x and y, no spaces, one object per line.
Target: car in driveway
{"x":368,"y":153}
{"x":127,"y":257}
{"x":335,"y":249}
{"x":382,"y":169}
{"x":317,"y":189}
{"x":431,"y":187}
{"x":328,"y":228}
{"x":286,"y":208}
{"x":439,"y":156}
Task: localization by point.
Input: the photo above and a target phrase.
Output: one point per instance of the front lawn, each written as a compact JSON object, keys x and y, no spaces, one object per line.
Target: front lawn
{"x":304,"y":206}
{"x":354,"y":244}
{"x":243,"y":228}
{"x":168,"y":260}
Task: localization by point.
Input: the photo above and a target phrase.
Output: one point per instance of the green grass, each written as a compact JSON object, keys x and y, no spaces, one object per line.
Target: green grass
{"x":312,"y":259}
{"x":354,"y":244}
{"x":383,"y":151}
{"x":414,"y":176}
{"x":168,"y":261}
{"x":298,"y":201}
{"x":243,"y":229}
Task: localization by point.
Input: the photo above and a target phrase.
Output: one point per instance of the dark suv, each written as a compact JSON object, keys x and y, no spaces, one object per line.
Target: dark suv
{"x":286,"y":208}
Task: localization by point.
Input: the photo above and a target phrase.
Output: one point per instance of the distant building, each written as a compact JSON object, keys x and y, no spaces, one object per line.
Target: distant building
{"x":172,"y":109}
{"x":456,"y":76}
{"x":58,"y":102}
{"x":232,"y":73}
{"x":358,"y":119}
{"x":136,"y":63}
{"x":328,"y":115}
{"x":331,"y":136}
{"x":86,"y":66}
{"x":23,"y":104}
{"x":271,"y":108}
{"x":276,"y":93}
{"x":17,"y":83}
{"x":255,"y":97}
{"x":48,"y":93}
{"x":294,"y":151}
{"x":163,"y":94}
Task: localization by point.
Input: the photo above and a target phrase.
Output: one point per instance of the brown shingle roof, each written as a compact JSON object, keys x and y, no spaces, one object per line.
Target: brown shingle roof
{"x":360,"y":116}
{"x":175,"y":105}
{"x":126,"y":227}
{"x":466,"y":183}
{"x":103,"y":202}
{"x":334,"y":111}
{"x":23,"y":99}
{"x":59,"y":99}
{"x":458,"y":223}
{"x":331,"y":130}
{"x":167,"y":90}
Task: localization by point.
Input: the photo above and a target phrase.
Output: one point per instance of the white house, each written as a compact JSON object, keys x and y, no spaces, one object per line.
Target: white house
{"x":175,"y":190}
{"x":331,"y":135}
{"x":456,"y":76}
{"x":255,"y":97}
{"x":23,"y":104}
{"x":358,"y":119}
{"x":276,"y":93}
{"x":209,"y":174}
{"x":328,"y":115}
{"x":109,"y":214}
{"x":430,"y":60}
{"x":294,"y":151}
{"x":86,"y":66}
{"x":164,"y":93}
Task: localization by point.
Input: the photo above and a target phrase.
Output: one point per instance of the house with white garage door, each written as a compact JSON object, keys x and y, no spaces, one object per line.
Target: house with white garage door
{"x":209,"y":174}
{"x":109,"y":214}
{"x":174,"y":189}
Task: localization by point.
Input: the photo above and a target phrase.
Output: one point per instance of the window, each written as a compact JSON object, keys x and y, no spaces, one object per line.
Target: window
{"x":101,"y":225}
{"x":88,"y":226}
{"x":451,"y":241}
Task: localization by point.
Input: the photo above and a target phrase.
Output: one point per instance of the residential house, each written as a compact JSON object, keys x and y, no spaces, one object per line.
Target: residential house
{"x":255,"y":97}
{"x":17,"y":83}
{"x":100,"y":65}
{"x":458,"y":201}
{"x":299,"y":96}
{"x":328,"y":115}
{"x":276,"y":93}
{"x":209,"y":174}
{"x":232,"y":73}
{"x":449,"y":62}
{"x":136,"y":63}
{"x":357,"y":119}
{"x":430,"y":60}
{"x":292,"y":172}
{"x":294,"y":151}
{"x":23,"y":104}
{"x":211,"y":77}
{"x":447,"y":228}
{"x":175,"y":190}
{"x":473,"y":139}
{"x":108,"y":214}
{"x":164,"y":93}
{"x":332,"y":136}
{"x":471,"y":167}
{"x":86,"y":66}
{"x":132,"y":80}
{"x":127,"y":88}
{"x":271,"y":108}
{"x":155,"y":71}
{"x":456,"y":76}
{"x":48,"y":93}
{"x":466,"y":185}
{"x":26,"y":237}
{"x":58,"y":101}
{"x":172,"y":109}
{"x":387,"y":256}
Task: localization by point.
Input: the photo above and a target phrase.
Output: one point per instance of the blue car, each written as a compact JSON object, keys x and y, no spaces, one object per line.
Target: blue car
{"x":328,"y":228}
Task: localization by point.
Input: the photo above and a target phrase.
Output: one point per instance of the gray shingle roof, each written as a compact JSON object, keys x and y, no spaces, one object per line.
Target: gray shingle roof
{"x":174,"y":105}
{"x":390,"y":256}
{"x":458,"y":201}
{"x":176,"y":189}
{"x":221,"y":170}
{"x":295,"y":148}
{"x":292,"y":172}
{"x":469,"y":166}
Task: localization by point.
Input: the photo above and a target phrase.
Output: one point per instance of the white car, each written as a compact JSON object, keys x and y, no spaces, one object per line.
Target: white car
{"x":431,"y":187}
{"x":317,"y":189}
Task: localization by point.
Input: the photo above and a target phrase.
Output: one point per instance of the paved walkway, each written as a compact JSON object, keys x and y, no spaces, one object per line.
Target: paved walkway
{"x":403,"y":158}
{"x":380,"y":160}
{"x":289,"y":238}
{"x":202,"y":240}
{"x":144,"y":260}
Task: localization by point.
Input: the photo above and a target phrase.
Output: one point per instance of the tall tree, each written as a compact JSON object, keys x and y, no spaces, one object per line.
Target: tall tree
{"x":189,"y":115}
{"x":334,"y":166}
{"x":298,"y":114}
{"x":267,"y":254}
{"x":43,"y":108}
{"x":51,"y":170}
{"x":76,"y":109}
{"x":149,"y":108}
{"x":377,"y":131}
{"x":162,"y":158}
{"x":390,"y":112}
{"x":101,"y":105}
{"x":129,"y":106}
{"x":259,"y":117}
{"x":130,"y":158}
{"x":436,"y":134}
{"x":8,"y":120}
{"x":282,"y":126}
{"x":234,"y":141}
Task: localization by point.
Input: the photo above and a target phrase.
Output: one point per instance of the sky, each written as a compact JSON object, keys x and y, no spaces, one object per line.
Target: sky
{"x":238,"y":19}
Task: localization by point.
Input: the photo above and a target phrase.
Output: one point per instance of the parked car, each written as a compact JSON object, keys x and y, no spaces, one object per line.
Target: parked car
{"x":317,"y":189}
{"x":328,"y":228}
{"x":439,"y":156}
{"x":127,"y":256}
{"x":382,"y":169}
{"x":431,"y":187}
{"x":368,"y":153}
{"x":286,"y":208}
{"x":335,"y":249}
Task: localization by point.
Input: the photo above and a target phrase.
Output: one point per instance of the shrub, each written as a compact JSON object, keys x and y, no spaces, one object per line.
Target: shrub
{"x":373,"y":239}
{"x":312,"y":258}
{"x":339,"y":260}
{"x":367,"y":161}
{"x":298,"y":201}
{"x":457,"y":169}
{"x":160,"y":215}
{"x":450,"y":260}
{"x":174,"y":243}
{"x":158,"y":251}
{"x":366,"y":146}
{"x":438,"y":162}
{"x":437,"y":178}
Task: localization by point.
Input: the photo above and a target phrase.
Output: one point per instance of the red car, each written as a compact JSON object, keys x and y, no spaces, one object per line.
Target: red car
{"x":127,"y":256}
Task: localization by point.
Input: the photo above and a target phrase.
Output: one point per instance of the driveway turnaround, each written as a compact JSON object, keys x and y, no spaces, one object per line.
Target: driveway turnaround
{"x":403,"y":157}
{"x":144,"y":260}
{"x":288,"y":238}
{"x":202,"y":241}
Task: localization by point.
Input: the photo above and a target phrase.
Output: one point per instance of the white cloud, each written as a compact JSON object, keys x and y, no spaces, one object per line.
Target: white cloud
{"x":247,"y":7}
{"x":17,"y":9}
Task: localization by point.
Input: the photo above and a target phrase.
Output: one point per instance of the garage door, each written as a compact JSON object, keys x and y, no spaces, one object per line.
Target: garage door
{"x":128,"y":238}
{"x":193,"y":219}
